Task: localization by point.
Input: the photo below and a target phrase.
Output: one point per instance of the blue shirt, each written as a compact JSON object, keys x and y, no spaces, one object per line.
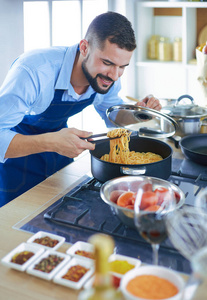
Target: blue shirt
{"x":30,"y":85}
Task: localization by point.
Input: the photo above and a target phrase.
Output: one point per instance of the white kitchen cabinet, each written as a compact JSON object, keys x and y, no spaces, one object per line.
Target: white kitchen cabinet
{"x":167,"y":79}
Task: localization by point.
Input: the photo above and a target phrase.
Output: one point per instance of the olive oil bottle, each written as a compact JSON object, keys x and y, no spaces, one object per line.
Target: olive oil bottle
{"x":102,"y":288}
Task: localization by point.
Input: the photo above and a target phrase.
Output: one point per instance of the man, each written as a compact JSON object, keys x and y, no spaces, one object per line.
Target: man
{"x":44,"y":88}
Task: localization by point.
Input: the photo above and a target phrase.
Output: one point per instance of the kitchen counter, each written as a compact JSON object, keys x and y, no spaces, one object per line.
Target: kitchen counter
{"x":19,"y":285}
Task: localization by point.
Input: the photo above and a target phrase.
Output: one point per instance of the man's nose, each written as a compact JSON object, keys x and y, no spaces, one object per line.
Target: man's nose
{"x":114,"y":73}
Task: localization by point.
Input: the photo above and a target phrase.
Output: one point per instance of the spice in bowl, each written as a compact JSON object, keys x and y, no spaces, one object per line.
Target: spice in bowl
{"x":49,"y":263}
{"x":152,"y":282}
{"x":46,"y":241}
{"x":151,"y":287}
{"x":22,"y":257}
{"x":75,"y":273}
{"x":85,"y":254}
{"x":120,"y":266}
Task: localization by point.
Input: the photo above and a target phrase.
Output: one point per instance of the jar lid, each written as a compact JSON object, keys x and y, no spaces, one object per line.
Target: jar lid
{"x":187,"y":110}
{"x":145,"y":121}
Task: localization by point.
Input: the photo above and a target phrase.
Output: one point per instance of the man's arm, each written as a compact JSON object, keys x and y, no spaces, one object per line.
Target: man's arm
{"x":68,"y":142}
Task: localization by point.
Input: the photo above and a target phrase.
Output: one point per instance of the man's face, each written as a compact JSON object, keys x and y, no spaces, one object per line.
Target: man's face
{"x":102,"y":67}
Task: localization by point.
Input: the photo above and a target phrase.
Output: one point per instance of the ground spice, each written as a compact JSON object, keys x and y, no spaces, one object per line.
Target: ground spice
{"x":22,"y":257}
{"x":85,"y":253}
{"x":120,"y":266}
{"x":46,"y":241}
{"x":75,"y":273}
{"x":151,"y":287}
{"x":49,"y":263}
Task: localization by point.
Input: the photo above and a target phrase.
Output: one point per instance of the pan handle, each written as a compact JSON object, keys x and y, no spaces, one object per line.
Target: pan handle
{"x":130,"y":171}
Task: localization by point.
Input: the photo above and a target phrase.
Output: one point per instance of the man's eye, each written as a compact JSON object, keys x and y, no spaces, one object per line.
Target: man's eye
{"x":106,"y":63}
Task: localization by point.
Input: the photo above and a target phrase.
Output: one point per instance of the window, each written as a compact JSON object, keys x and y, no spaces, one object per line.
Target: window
{"x":36,"y":25}
{"x":66,"y":25}
{"x":62,"y":23}
{"x":58,"y":23}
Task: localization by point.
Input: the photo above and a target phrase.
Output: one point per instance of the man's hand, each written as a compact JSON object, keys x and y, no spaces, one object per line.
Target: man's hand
{"x":151,"y":102}
{"x":70,"y":142}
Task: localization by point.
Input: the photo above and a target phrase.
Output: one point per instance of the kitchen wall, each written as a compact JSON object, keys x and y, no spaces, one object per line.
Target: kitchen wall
{"x":11,"y":33}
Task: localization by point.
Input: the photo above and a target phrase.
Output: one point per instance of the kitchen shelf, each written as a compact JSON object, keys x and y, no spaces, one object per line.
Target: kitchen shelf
{"x":172,"y":4}
{"x":170,"y":19}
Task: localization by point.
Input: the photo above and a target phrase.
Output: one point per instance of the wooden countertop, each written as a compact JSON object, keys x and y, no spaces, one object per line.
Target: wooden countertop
{"x":19,"y":285}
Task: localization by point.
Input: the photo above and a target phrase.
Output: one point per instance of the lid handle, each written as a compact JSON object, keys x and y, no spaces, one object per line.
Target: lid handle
{"x":184,"y":96}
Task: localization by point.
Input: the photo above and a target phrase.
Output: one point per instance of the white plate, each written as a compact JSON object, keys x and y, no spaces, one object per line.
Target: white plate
{"x":83,"y":246}
{"x":22,"y":247}
{"x":44,"y":275}
{"x":88,"y":263}
{"x":133,"y":261}
{"x":41,"y":234}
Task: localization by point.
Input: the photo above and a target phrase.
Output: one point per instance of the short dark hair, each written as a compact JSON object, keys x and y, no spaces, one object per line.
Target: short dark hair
{"x":113,"y":27}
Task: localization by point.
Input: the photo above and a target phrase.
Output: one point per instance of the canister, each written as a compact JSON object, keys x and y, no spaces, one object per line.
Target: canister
{"x":177,"y":49}
{"x":152,"y":47}
{"x":165,"y":49}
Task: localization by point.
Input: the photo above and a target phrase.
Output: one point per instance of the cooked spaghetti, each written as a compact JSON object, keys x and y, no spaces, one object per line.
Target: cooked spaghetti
{"x":120,"y":153}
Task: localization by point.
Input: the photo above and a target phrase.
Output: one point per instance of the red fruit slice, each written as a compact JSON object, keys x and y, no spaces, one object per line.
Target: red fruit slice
{"x":125,"y":199}
{"x":115,"y":195}
{"x":148,"y":199}
{"x":161,"y":192}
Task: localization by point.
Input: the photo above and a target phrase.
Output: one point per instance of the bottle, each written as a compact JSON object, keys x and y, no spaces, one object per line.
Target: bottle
{"x":165,"y":49}
{"x":102,"y":288}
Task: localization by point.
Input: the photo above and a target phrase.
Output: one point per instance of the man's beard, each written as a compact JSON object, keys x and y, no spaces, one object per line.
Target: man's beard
{"x":93,"y":81}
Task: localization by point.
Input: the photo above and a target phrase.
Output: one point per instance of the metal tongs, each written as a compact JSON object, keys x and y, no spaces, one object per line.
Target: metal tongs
{"x":142,"y":132}
{"x":99,"y":135}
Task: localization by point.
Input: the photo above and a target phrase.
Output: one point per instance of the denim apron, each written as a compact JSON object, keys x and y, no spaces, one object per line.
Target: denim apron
{"x":17,"y":175}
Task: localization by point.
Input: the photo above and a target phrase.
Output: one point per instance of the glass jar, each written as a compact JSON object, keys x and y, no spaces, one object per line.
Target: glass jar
{"x":152,"y":47}
{"x":177,"y":49}
{"x":164,"y":49}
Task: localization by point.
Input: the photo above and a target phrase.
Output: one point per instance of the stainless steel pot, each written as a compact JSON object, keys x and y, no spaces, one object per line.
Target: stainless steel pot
{"x":191,"y":118}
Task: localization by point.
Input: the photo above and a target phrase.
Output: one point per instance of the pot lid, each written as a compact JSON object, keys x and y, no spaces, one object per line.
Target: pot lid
{"x":145,"y":121}
{"x":185,"y":109}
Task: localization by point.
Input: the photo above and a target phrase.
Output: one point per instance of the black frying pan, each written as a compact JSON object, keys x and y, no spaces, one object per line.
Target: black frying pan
{"x":194,"y":147}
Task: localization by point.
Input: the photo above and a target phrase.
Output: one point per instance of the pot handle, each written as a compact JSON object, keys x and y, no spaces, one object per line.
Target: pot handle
{"x":130,"y":171}
{"x":184,"y":96}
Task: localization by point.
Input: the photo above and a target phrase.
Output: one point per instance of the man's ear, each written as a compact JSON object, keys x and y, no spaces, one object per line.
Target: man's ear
{"x":83,"y":46}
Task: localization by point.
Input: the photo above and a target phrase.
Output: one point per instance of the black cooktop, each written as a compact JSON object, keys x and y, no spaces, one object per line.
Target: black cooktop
{"x":81,"y":213}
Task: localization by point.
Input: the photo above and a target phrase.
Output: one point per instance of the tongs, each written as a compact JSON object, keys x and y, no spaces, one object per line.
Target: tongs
{"x":141,"y":132}
{"x":94,"y":136}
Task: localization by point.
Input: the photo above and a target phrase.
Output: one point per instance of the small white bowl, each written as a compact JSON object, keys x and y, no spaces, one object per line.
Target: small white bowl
{"x":161,"y":272}
{"x":133,"y":261}
{"x":48,"y":276}
{"x":22,"y":247}
{"x":41,"y":234}
{"x":116,"y":277}
{"x":83,"y":246}
{"x":89,"y":264}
